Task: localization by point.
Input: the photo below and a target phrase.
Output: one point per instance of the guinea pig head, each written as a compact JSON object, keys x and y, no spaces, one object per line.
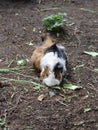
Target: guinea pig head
{"x":49,"y":77}
{"x":52,"y":77}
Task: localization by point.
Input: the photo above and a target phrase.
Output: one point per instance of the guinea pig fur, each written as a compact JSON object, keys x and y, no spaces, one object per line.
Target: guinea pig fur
{"x":51,"y":60}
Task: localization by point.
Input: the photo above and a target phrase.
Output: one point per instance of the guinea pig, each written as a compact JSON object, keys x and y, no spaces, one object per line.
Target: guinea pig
{"x":51,"y":60}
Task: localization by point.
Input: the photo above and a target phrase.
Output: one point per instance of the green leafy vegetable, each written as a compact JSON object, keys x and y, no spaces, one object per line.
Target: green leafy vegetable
{"x":72,"y":87}
{"x":93,"y":54}
{"x":54,"y":21}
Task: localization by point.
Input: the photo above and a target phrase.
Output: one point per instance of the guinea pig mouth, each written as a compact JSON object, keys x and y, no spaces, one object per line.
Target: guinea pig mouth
{"x":51,"y":81}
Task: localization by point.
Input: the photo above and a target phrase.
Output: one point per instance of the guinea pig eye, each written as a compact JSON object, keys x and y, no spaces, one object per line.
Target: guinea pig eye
{"x":47,"y":74}
{"x":61,"y":71}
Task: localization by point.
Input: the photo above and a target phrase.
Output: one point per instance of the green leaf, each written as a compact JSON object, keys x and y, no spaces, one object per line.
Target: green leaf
{"x":37,"y":88}
{"x":5,"y":128}
{"x":21,"y":62}
{"x":96,"y":70}
{"x":29,"y":43}
{"x":72,"y":87}
{"x":87,"y":110}
{"x":2,"y":122}
{"x":51,"y":94}
{"x":4,"y":70}
{"x":7,"y":70}
{"x":93,"y":54}
{"x":56,"y":87}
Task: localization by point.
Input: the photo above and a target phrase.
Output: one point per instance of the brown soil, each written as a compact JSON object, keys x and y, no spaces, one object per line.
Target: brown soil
{"x":20,"y":109}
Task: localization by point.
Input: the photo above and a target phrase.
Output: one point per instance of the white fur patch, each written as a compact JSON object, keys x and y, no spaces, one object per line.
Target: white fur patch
{"x":51,"y":59}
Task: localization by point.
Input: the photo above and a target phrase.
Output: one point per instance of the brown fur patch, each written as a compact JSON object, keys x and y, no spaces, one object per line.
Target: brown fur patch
{"x":38,"y":53}
{"x":45,"y":73}
{"x":36,"y":57}
{"x":58,"y":75}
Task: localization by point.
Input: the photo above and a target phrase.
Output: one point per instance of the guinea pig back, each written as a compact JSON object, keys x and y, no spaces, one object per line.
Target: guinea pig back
{"x":38,"y":53}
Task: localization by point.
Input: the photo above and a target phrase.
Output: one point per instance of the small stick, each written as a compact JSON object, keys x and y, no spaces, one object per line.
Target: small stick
{"x":55,"y":8}
{"x":10,"y":63}
{"x":27,"y":76}
{"x":88,"y":10}
{"x":62,"y":103}
{"x":12,"y":70}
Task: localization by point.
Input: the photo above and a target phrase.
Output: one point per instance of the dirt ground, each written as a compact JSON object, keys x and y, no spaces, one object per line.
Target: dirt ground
{"x":20,"y":108}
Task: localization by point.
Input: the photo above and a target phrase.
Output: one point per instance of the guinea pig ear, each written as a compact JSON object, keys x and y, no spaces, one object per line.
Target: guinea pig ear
{"x":45,"y":72}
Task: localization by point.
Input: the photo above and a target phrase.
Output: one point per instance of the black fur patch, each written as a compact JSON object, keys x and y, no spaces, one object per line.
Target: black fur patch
{"x":58,"y":66}
{"x":55,"y":49}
